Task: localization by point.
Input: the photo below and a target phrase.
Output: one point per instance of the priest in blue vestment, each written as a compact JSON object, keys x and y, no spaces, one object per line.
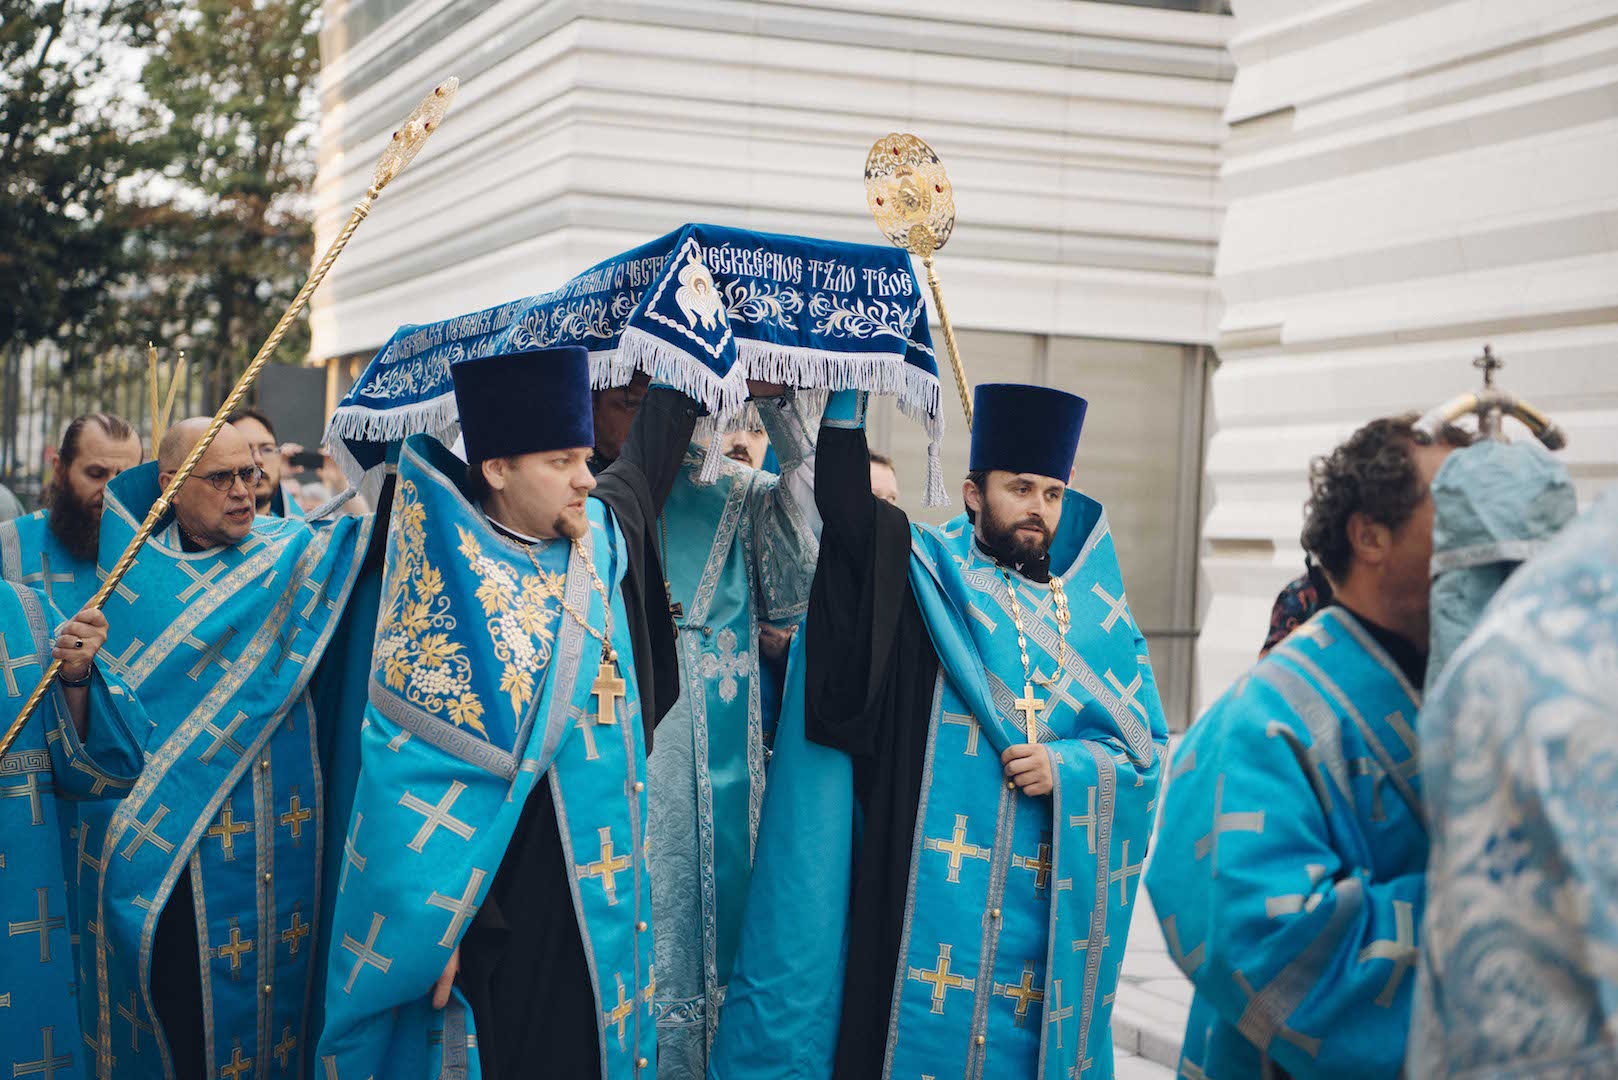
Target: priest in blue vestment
{"x":964,"y":778}
{"x":54,"y":549}
{"x":1518,"y":973}
{"x":738,"y":553}
{"x":1289,"y":876}
{"x":494,"y":914}
{"x":201,"y":918}
{"x":57,"y":758}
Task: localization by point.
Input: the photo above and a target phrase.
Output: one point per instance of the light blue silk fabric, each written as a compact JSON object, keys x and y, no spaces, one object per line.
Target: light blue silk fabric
{"x":220,"y":646}
{"x":1519,"y":957}
{"x":737,"y":552}
{"x":1018,"y":907}
{"x":42,"y":778}
{"x":30,"y":554}
{"x":786,"y":990}
{"x":481,"y":687}
{"x":1288,"y":874}
{"x":1495,"y":505}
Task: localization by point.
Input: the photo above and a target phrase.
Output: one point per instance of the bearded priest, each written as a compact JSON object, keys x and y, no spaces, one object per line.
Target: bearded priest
{"x":962,"y":791}
{"x":493,"y":915}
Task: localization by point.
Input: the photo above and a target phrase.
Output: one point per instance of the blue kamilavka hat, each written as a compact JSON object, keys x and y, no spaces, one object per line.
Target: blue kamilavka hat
{"x":1025,"y":429}
{"x":524,"y":402}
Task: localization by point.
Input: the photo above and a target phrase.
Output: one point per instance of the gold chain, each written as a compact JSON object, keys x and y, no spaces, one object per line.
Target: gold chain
{"x":1063,"y":621}
{"x":608,"y":654}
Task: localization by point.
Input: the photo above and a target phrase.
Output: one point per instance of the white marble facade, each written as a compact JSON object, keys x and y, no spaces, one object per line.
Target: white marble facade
{"x":1082,"y":140}
{"x":1405,"y":180}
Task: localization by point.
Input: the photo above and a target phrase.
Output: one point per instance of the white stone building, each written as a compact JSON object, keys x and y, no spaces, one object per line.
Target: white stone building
{"x":1404,"y":181}
{"x":1387,"y":184}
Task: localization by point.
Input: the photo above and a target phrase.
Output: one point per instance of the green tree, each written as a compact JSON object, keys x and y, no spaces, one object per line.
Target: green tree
{"x":231,"y":87}
{"x":68,"y":144}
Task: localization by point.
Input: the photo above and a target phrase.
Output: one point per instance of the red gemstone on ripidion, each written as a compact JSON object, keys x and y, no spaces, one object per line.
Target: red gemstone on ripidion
{"x":895,"y":151}
{"x":938,"y":188}
{"x":879,"y":202}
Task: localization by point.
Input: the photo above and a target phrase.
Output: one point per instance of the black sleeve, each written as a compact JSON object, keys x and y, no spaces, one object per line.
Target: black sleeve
{"x":635,"y":488}
{"x":856,"y":598}
{"x":376,"y":551}
{"x":650,"y":460}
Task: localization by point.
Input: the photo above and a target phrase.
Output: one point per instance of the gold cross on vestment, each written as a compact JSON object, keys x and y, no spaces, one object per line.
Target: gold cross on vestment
{"x":1029,"y":706}
{"x":941,"y":979}
{"x":1022,"y":992}
{"x":238,"y":1064}
{"x":283,"y":1049}
{"x":130,"y":1014}
{"x":608,"y":688}
{"x":294,"y":934}
{"x":297,"y":814}
{"x":607,"y":867}
{"x":227,"y":828}
{"x":957,"y":849}
{"x":49,"y":1063}
{"x":619,"y":1014}
{"x":233,"y":951}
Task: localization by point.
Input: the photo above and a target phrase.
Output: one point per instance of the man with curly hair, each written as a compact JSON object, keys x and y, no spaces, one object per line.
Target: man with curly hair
{"x":1290,"y":876}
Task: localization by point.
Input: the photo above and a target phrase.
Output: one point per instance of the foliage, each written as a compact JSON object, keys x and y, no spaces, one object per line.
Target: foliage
{"x":66,"y":149}
{"x":231,"y":88}
{"x":155,"y":164}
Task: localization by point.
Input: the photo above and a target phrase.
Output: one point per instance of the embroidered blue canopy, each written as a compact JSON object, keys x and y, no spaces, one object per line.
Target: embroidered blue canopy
{"x":704,"y":309}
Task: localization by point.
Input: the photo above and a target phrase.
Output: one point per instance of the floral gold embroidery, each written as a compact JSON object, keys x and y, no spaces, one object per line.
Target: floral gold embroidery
{"x":413,"y":644}
{"x":520,"y":613}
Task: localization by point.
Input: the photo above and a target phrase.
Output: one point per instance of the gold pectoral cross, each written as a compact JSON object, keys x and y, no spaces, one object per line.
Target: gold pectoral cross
{"x":1029,"y":706}
{"x":608,"y":688}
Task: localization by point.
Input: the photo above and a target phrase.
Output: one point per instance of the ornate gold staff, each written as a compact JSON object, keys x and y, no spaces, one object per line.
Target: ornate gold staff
{"x":914,"y":206}
{"x":400,"y":151}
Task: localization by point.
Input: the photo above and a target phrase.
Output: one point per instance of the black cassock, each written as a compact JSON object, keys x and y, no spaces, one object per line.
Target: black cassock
{"x":523,"y":968}
{"x":868,"y":691}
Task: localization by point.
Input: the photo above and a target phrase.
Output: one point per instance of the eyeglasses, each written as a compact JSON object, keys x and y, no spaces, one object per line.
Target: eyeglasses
{"x":225,"y":479}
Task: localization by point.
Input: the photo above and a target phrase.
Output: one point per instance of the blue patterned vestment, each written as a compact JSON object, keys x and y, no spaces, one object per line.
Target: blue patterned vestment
{"x":1288,"y":873}
{"x":43,"y":774}
{"x":219,"y":645}
{"x":30,"y":554}
{"x":1018,"y":908}
{"x":481,"y":688}
{"x":736,"y":552}
{"x":1519,"y":956}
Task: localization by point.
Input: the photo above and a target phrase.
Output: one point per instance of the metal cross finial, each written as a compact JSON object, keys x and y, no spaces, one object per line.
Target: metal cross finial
{"x":1488,"y":363}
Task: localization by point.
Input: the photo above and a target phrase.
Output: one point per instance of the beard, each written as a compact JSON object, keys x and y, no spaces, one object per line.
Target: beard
{"x":573,"y":524}
{"x":1003,"y":539}
{"x":76,"y":525}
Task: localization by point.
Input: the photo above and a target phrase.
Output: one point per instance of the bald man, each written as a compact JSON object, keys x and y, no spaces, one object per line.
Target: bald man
{"x":201,"y":889}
